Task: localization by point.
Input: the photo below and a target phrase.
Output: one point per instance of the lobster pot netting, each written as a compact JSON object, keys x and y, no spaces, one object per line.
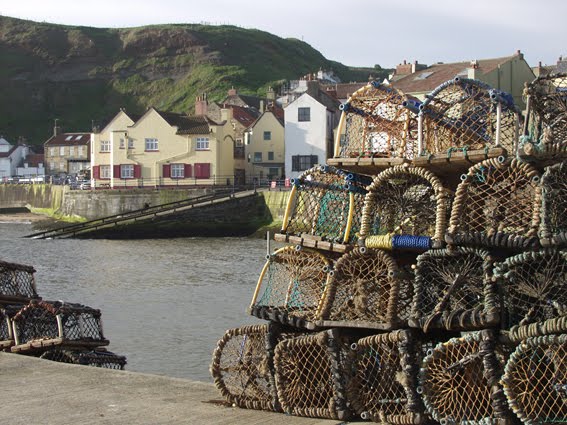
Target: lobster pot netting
{"x":375,"y":124}
{"x":535,"y":380}
{"x":454,"y":290}
{"x":242,"y":366}
{"x":6,"y":333}
{"x":365,"y":291}
{"x":459,"y":380}
{"x":324,"y":205}
{"x":68,"y":323}
{"x":497,"y":204}
{"x":310,"y":374}
{"x":96,"y":358}
{"x":469,"y":115}
{"x":533,"y":285}
{"x":546,"y":123}
{"x":404,"y":201}
{"x":293,"y":283}
{"x":385,"y":370}
{"x":553,"y":230}
{"x":16,"y":282}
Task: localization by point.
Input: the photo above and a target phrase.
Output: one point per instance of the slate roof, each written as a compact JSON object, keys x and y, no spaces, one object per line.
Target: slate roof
{"x":34,"y":159}
{"x":244,"y":116}
{"x":69,"y":139}
{"x":428,"y":79}
{"x":343,"y":90}
{"x":7,"y":154}
{"x":187,"y":124}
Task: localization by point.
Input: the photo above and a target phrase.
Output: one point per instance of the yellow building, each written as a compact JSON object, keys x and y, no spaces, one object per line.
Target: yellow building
{"x":162,"y":149}
{"x":66,"y":153}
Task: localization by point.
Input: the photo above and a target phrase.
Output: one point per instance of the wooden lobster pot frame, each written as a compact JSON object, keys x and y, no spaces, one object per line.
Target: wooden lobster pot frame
{"x":535,"y":380}
{"x":519,"y":333}
{"x":17,"y":283}
{"x":454,"y":290}
{"x":533,"y":286}
{"x":404,"y":204}
{"x":553,"y":228}
{"x":44,"y":324}
{"x":497,"y":204}
{"x":96,"y":358}
{"x":310,"y":374}
{"x":294,"y":283}
{"x":6,"y":330}
{"x":374,"y":123}
{"x":325,"y":204}
{"x":459,"y":380}
{"x":364,"y":291}
{"x":383,"y":387}
{"x":545,"y":127}
{"x":243,"y":365}
{"x":465,"y":114}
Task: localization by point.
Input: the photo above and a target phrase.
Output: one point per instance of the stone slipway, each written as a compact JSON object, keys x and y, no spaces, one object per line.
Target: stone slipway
{"x":42,"y":392}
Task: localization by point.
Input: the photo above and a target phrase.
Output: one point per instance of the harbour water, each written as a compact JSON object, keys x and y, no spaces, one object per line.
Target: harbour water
{"x":165,"y":302}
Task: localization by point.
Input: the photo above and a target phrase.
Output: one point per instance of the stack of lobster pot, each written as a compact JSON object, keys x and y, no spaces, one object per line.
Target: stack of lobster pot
{"x":423,"y":267}
{"x":53,"y":330}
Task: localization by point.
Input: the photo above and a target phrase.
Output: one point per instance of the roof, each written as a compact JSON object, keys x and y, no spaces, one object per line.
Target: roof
{"x":34,"y":159}
{"x":103,"y":123}
{"x":69,"y":139}
{"x":242,"y":100}
{"x":187,"y":124}
{"x":343,"y":90}
{"x":428,"y":79}
{"x":244,"y":116}
{"x":7,"y":154}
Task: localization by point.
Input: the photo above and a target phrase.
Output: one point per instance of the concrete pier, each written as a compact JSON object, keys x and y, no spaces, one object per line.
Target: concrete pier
{"x":42,"y":392}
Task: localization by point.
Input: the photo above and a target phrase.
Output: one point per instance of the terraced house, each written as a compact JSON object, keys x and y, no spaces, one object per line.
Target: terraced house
{"x":162,"y":149}
{"x":67,"y":153}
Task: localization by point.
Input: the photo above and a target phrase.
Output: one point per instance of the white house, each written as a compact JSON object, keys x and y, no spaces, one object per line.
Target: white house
{"x":10,"y":158}
{"x":32,"y":166}
{"x":309,"y":123}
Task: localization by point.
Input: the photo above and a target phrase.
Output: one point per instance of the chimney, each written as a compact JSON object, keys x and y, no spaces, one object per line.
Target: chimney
{"x":232,"y":92}
{"x":262,"y":108}
{"x":201,"y":108}
{"x":56,"y":128}
{"x":226,"y":114}
{"x":271,"y":94}
{"x":519,"y":54}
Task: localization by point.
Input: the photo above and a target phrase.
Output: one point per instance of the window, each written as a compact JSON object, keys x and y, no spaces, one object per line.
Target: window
{"x":270,"y":156}
{"x":177,"y":171}
{"x":105,"y":145}
{"x":130,"y":143}
{"x":52,"y":165}
{"x":239,"y":142}
{"x":52,"y":151}
{"x":303,"y":162}
{"x":72,"y":150}
{"x":127,"y":171}
{"x":257,"y":156}
{"x":62,"y":166}
{"x":303,"y":114}
{"x":151,"y":144}
{"x":274,"y":172}
{"x":81,"y":150}
{"x":267,"y":135}
{"x":61,"y":150}
{"x":105,"y":171}
{"x":202,"y":144}
{"x":121,"y":146}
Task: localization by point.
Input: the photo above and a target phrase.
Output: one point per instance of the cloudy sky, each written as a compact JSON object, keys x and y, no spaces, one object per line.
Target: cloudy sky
{"x":354,"y":32}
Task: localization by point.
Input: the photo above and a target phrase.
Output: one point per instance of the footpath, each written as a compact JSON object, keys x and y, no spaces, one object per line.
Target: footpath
{"x":42,"y":392}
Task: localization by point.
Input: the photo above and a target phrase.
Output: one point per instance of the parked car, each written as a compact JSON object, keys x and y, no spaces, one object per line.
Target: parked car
{"x":84,"y":184}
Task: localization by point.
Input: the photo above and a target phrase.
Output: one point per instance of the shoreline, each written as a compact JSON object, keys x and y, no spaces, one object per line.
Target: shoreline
{"x":23,"y":217}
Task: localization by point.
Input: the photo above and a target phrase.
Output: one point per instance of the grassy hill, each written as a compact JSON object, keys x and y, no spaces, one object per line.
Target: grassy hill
{"x":82,"y":75}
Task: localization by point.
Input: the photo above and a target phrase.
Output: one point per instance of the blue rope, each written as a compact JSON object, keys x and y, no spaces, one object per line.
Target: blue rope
{"x":411,"y":242}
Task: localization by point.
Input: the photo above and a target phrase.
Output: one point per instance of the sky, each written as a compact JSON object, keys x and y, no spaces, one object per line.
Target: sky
{"x":353,"y":32}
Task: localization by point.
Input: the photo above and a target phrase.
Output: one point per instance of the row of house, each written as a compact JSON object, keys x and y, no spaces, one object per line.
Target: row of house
{"x":246,"y":138}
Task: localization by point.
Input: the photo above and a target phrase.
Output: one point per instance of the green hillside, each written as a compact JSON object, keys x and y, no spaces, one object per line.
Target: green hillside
{"x":82,"y":75}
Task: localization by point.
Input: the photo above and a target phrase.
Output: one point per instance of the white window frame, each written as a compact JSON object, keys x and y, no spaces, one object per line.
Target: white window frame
{"x":104,"y":172}
{"x":151,"y":144}
{"x":177,"y":171}
{"x":267,"y":135}
{"x":105,"y":145}
{"x":126,"y":171}
{"x":52,"y":151}
{"x":304,"y":114}
{"x":81,"y":151}
{"x":121,"y":143}
{"x":202,"y":144}
{"x":61,"y":150}
{"x":130,"y":143}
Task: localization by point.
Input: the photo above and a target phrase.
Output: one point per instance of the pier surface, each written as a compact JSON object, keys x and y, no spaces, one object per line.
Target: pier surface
{"x":36,"y":391}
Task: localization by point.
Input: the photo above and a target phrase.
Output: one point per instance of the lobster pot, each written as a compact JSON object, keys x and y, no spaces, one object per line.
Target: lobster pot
{"x":323,"y":205}
{"x":545,"y":128}
{"x":519,"y":333}
{"x":454,"y":290}
{"x":534,"y":286}
{"x":375,"y":124}
{"x":405,"y":208}
{"x":535,"y":380}
{"x":6,"y":332}
{"x":46,"y":323}
{"x":292,"y":286}
{"x":383,"y":386}
{"x":497,"y":204}
{"x":467,"y":114}
{"x":17,"y":282}
{"x":243,"y":365}
{"x":97,"y":358}
{"x":310,"y":374}
{"x":459,"y":380}
{"x":553,"y":229}
{"x":365,"y":290}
